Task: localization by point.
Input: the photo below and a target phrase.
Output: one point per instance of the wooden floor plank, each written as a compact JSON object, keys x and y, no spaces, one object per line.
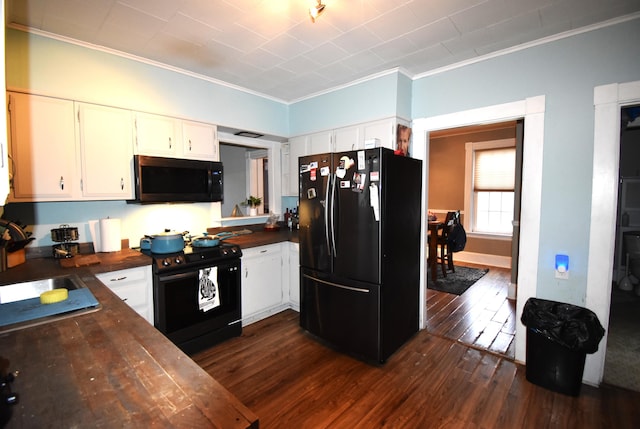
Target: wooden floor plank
{"x":482,"y":316}
{"x":291,"y":380}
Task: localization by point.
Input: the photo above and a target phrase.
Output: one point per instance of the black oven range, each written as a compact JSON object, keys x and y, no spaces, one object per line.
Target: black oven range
{"x":197,"y":295}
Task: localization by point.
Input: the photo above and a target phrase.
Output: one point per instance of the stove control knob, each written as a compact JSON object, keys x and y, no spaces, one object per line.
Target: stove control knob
{"x":234,"y":249}
{"x":166,"y":262}
{"x":225,"y":252}
{"x":179,"y":260}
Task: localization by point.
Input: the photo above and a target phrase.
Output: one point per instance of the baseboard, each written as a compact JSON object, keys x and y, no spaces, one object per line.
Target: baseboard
{"x":483,"y":259}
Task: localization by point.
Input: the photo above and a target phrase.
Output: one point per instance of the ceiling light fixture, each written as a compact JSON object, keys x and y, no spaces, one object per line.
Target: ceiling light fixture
{"x":315,"y":11}
{"x":248,"y":134}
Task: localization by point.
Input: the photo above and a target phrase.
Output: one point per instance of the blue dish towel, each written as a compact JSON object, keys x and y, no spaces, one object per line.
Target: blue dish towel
{"x":30,"y":309}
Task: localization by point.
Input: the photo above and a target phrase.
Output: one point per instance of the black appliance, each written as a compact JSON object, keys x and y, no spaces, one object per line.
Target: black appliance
{"x":168,"y":180}
{"x":197,"y":296}
{"x":360,"y":249}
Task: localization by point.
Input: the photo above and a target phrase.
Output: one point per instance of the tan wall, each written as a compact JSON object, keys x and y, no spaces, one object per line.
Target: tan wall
{"x":446,"y":179}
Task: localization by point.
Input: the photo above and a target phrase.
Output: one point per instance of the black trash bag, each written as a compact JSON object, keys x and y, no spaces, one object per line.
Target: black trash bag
{"x":574,"y":327}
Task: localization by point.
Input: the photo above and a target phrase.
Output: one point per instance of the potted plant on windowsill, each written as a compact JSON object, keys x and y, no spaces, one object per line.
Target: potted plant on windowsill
{"x":253,"y":203}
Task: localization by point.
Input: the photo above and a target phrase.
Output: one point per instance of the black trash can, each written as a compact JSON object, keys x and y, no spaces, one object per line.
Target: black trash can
{"x":559,"y":336}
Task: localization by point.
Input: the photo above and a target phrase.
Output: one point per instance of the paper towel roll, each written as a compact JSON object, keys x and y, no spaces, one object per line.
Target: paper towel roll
{"x":110,"y":240}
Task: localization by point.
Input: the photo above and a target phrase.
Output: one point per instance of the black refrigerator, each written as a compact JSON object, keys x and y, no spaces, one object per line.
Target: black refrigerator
{"x":359,"y":234}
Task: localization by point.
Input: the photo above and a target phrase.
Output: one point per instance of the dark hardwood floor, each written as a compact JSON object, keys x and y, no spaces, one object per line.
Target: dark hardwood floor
{"x":290,"y":380}
{"x":482,"y":316}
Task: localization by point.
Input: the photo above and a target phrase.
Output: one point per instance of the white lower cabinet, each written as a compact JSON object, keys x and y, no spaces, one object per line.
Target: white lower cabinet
{"x":294,"y":275}
{"x":134,"y":286}
{"x":262,"y":277}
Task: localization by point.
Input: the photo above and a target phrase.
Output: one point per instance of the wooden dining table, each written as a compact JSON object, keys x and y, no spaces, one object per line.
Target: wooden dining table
{"x":434,"y":227}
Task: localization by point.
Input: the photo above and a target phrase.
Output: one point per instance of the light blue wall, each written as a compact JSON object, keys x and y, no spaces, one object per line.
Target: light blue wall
{"x":51,"y":67}
{"x":565,"y":72}
{"x":403,"y":102}
{"x":366,"y":101}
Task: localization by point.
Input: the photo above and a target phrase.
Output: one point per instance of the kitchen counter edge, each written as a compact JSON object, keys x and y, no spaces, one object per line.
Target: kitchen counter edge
{"x":110,"y":367}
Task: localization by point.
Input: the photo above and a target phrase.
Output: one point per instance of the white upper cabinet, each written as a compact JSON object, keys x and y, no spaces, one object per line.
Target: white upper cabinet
{"x":157,"y":135}
{"x":348,"y":139}
{"x":200,"y":141}
{"x":319,"y":142}
{"x":292,"y":150}
{"x":43,"y":148}
{"x":384,"y":131}
{"x":339,"y":140}
{"x":106,"y":145}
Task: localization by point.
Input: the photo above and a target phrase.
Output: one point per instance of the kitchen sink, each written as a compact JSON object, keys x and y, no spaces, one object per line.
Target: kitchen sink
{"x":20,"y":305}
{"x":33,"y":289}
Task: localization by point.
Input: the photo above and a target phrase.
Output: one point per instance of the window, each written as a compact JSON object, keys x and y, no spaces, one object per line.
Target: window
{"x":490,"y":186}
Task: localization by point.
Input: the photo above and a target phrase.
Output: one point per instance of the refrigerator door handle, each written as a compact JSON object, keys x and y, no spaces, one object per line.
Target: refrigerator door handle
{"x":327,"y":205}
{"x":332,"y":212}
{"x":355,"y":289}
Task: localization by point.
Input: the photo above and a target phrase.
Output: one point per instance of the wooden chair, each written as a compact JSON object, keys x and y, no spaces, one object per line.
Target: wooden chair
{"x":445,"y":257}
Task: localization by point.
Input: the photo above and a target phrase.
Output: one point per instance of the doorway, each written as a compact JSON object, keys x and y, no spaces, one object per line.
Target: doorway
{"x":533,"y":111}
{"x":484,"y":315}
{"x":622,"y":362}
{"x":608,"y":101}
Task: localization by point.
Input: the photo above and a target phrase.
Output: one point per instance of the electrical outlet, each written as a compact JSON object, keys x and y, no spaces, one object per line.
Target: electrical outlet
{"x":562,"y":274}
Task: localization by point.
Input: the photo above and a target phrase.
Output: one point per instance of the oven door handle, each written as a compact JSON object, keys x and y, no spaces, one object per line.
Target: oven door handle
{"x":171,"y":277}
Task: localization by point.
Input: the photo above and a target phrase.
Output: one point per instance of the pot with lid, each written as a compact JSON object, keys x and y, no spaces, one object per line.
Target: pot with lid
{"x":64,"y":233}
{"x":164,"y":242}
{"x":207,"y":240}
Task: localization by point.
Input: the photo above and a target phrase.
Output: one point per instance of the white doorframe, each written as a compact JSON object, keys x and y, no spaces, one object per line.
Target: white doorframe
{"x":532,"y":110}
{"x":608,"y":100}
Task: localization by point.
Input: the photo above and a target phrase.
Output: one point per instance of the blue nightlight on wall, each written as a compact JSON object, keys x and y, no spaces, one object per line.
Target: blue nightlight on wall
{"x":562,"y":266}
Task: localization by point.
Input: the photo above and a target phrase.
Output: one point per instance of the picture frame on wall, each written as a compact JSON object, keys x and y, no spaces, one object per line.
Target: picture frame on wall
{"x":403,"y":140}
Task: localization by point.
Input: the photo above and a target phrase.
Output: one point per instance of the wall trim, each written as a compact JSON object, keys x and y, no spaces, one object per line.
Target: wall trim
{"x":533,"y":111}
{"x":608,"y":100}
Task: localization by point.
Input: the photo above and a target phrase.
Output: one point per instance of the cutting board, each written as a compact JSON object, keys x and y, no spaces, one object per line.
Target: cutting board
{"x":80,"y":261}
{"x":30,"y":309}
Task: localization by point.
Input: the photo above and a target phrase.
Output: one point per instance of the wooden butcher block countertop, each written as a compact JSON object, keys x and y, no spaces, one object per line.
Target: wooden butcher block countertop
{"x":109,"y":368}
{"x":257,"y":237}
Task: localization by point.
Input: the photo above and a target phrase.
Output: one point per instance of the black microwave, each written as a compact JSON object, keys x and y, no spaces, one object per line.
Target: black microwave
{"x":170,"y":180}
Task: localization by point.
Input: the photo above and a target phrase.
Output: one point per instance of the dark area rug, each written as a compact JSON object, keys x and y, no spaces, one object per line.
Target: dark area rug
{"x":458,"y":282}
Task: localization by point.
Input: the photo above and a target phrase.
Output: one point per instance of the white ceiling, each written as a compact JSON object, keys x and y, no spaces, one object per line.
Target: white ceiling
{"x":271,"y":47}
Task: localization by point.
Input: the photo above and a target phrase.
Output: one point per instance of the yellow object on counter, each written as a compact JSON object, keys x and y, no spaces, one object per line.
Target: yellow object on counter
{"x":53,"y":296}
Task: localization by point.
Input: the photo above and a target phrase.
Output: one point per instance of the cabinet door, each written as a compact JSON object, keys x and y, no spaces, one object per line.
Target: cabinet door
{"x":106,"y":144}
{"x":348,"y":139}
{"x":261,"y":279}
{"x":294,"y":275}
{"x":297,"y":148}
{"x":156,"y":135}
{"x":134,"y":286}
{"x":200,"y":141}
{"x":383,"y":130}
{"x":319,"y":142}
{"x":43,"y":148}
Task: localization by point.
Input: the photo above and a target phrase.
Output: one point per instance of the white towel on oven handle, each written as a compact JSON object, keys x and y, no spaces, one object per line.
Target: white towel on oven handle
{"x":208,"y":292}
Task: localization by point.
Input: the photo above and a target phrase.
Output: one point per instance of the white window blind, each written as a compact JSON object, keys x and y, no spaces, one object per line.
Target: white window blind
{"x":494,"y":170}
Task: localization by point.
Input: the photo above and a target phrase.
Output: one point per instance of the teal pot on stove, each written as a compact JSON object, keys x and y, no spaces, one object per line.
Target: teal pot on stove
{"x":164,"y":242}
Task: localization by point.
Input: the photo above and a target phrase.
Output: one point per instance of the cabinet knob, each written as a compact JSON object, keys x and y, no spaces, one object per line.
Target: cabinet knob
{"x":189,"y":144}
{"x":122,"y":183}
{"x":169,"y":142}
{"x":62,"y":183}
